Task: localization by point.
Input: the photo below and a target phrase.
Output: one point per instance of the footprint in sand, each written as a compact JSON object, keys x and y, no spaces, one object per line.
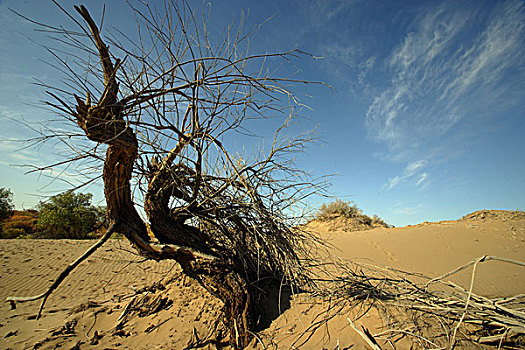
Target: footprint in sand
{"x":443,"y":241}
{"x":388,"y":254}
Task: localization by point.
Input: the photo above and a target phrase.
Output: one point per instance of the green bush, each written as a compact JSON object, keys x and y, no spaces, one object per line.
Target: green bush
{"x":12,"y":232}
{"x":69,"y":215}
{"x":6,"y":204}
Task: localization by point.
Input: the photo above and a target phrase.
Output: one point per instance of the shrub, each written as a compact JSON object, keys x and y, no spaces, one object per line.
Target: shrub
{"x":69,"y":215}
{"x":348,"y":210}
{"x":338,"y":208}
{"x":21,"y":223}
{"x":376,"y":220}
{"x":6,"y":204}
{"x":12,"y":232}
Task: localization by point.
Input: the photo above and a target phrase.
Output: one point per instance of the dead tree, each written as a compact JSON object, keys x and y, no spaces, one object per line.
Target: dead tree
{"x":162,"y":114}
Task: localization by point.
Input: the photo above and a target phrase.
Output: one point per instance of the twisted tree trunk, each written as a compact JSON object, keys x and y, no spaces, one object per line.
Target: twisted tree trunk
{"x":104,"y":123}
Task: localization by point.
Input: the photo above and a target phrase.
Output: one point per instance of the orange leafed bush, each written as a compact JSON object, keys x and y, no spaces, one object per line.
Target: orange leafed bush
{"x":22,"y":222}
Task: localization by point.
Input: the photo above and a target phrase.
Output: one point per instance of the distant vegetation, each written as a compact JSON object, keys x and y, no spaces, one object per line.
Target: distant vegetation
{"x":21,"y":224}
{"x":66,"y":215}
{"x":6,"y":204}
{"x":69,"y":215}
{"x":348,"y":210}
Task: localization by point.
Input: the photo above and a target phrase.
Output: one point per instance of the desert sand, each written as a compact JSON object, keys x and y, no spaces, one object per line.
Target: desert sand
{"x":116,"y":300}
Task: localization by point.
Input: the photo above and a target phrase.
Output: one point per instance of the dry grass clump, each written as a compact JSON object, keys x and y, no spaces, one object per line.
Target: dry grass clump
{"x":377,"y":221}
{"x":348,"y":210}
{"x":338,"y":208}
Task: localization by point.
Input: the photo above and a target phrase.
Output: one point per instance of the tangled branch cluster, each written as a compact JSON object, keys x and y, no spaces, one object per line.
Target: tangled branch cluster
{"x":432,"y":312}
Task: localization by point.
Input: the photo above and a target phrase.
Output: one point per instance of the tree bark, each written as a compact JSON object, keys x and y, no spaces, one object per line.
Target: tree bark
{"x":104,"y":123}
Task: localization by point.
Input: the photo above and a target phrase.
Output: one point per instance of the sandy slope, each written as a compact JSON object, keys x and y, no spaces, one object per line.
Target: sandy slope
{"x":96,"y":295}
{"x":437,"y":248}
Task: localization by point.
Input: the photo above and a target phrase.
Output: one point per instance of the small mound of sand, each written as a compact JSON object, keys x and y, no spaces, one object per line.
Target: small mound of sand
{"x":494,"y":215}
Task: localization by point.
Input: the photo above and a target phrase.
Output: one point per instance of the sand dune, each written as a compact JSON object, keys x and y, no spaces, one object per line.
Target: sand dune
{"x":111,"y":301}
{"x":436,"y":248}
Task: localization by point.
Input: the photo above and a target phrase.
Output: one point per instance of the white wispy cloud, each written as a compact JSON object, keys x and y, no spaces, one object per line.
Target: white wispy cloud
{"x":411,"y":171}
{"x":447,"y":69}
{"x":409,"y":210}
{"x":320,"y":12}
{"x":422,"y":179}
{"x":348,"y":60}
{"x":414,"y":167}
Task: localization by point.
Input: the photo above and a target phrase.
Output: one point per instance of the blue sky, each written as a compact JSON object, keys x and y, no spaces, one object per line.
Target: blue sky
{"x":426,"y":120}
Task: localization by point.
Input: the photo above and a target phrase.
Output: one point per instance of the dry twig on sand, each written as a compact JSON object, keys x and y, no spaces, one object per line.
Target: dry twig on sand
{"x":64,"y":273}
{"x":431,"y":312}
{"x":485,"y":319}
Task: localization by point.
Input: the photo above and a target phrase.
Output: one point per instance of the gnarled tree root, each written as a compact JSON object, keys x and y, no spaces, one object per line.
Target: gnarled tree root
{"x":227,"y":285}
